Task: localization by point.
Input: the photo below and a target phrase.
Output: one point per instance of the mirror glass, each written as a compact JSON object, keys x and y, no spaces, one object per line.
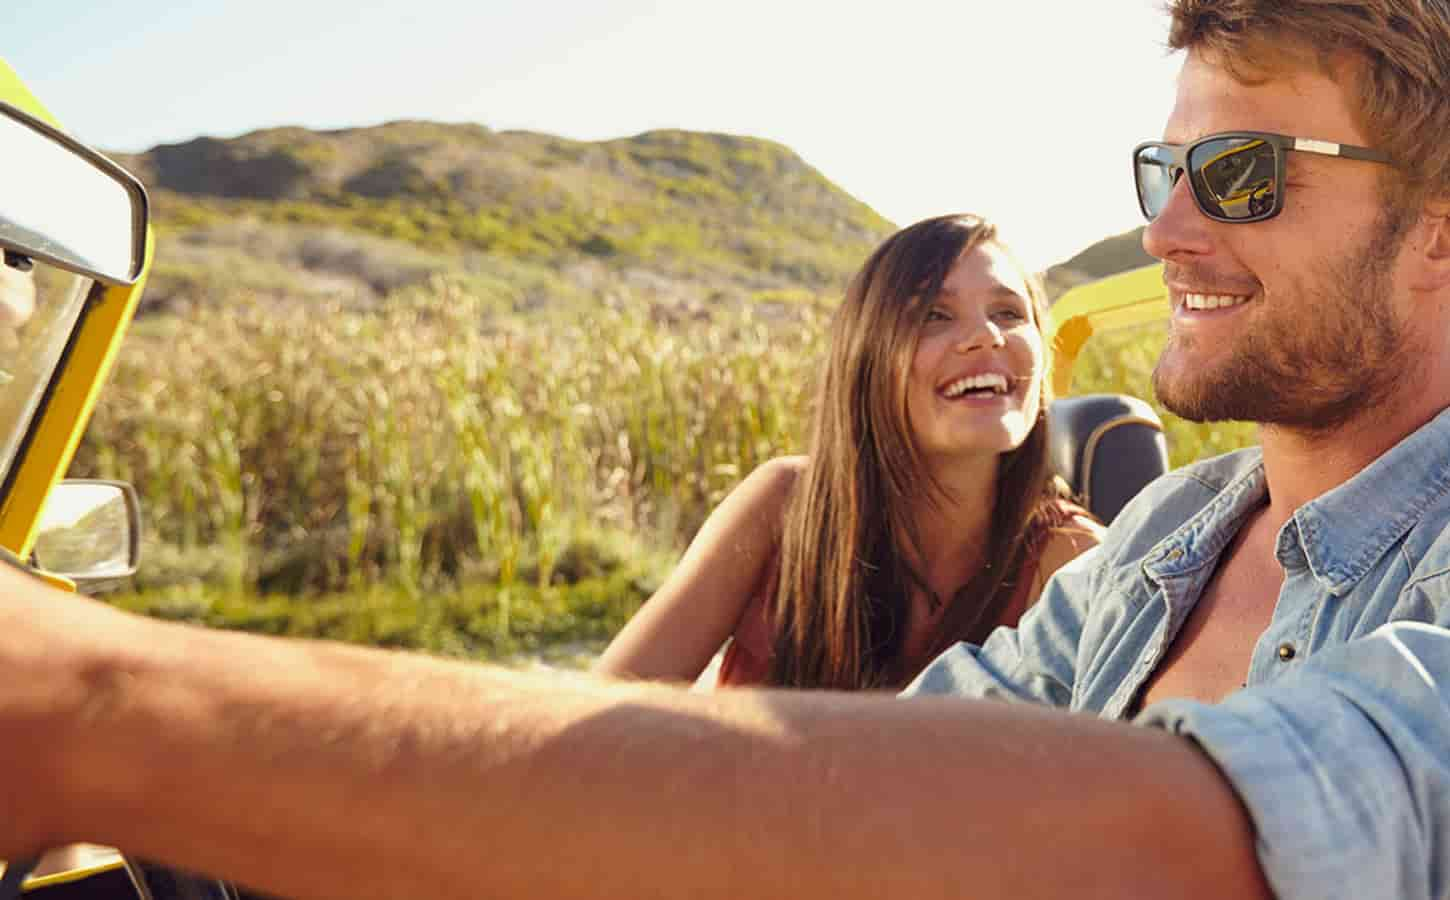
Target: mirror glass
{"x":87,"y":531}
{"x":58,"y":204}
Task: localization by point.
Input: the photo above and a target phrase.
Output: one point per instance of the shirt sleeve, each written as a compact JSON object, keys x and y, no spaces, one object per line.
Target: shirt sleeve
{"x":1343,"y":764}
{"x":1034,"y":662}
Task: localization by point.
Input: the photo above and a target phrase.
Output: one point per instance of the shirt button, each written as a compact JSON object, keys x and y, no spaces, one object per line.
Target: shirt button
{"x":1286,"y":652}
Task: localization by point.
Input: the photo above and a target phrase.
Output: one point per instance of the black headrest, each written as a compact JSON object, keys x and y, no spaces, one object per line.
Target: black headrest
{"x":1106,"y":447}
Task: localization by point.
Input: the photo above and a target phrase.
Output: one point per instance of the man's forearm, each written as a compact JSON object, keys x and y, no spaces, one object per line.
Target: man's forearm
{"x":321,"y":770}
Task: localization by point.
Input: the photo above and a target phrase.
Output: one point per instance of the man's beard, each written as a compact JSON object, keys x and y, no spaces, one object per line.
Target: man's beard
{"x":1337,"y":351}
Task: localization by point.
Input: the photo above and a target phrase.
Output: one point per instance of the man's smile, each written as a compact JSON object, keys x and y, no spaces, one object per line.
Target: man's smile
{"x":1214,"y":301}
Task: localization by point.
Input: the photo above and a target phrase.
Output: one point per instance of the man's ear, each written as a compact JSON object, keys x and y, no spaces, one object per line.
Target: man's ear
{"x":1435,"y":254}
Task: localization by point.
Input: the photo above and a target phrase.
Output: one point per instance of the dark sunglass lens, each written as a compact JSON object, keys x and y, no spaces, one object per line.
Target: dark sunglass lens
{"x":1234,"y":178}
{"x":1153,"y":171}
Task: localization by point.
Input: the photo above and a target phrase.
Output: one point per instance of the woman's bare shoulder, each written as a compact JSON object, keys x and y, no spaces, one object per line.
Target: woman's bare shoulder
{"x":1068,"y":541}
{"x":762,"y":496}
{"x":786,"y":467}
{"x":776,"y":478}
{"x":680,"y":628}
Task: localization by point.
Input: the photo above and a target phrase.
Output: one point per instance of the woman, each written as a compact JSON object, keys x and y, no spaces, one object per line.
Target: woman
{"x":925,"y":513}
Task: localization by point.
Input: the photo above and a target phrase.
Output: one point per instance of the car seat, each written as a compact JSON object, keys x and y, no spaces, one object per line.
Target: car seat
{"x":1106,"y":447}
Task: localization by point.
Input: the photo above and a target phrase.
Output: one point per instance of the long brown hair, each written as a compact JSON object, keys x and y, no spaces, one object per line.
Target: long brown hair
{"x":840,"y":608}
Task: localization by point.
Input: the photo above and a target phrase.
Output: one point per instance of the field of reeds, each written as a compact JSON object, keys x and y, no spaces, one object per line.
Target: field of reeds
{"x":447,"y":473}
{"x":441,"y":472}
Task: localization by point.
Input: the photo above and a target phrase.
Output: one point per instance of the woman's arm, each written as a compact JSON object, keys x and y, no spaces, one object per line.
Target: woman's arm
{"x":680,"y":628}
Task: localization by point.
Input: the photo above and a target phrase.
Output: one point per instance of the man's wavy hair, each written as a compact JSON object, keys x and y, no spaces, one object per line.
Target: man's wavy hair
{"x":1401,"y":49}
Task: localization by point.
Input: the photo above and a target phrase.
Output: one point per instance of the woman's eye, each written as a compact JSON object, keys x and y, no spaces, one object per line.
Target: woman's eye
{"x":937,"y":314}
{"x":1011,"y":314}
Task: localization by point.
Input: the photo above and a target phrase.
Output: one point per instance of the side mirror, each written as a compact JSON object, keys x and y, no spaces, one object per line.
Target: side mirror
{"x":89,"y":532}
{"x":68,"y":205}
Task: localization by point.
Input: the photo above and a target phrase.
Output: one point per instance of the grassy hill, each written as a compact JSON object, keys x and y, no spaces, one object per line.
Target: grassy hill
{"x":688,"y":218}
{"x":358,"y":213}
{"x":1113,"y":254}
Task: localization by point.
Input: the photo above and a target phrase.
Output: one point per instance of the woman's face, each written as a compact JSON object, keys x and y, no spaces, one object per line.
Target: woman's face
{"x":975,"y":382}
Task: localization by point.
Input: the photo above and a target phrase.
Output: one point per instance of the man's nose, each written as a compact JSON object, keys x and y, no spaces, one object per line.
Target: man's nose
{"x":1181,"y":228}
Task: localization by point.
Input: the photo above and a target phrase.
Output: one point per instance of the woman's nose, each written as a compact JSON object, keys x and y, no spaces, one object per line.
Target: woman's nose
{"x":980,"y":334}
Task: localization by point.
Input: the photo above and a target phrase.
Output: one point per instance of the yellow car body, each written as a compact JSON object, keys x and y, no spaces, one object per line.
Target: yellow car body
{"x":1126,"y":300}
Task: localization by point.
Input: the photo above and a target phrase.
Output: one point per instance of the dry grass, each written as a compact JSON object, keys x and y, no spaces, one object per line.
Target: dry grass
{"x":441,"y":442}
{"x":444,"y":473}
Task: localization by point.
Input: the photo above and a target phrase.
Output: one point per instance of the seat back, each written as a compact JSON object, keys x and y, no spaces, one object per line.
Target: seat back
{"x":1106,"y":447}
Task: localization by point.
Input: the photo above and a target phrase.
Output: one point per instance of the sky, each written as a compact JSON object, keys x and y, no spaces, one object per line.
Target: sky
{"x":1023,"y":110}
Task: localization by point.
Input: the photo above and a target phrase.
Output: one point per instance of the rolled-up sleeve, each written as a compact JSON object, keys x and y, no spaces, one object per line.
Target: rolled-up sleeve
{"x":1343,"y":765}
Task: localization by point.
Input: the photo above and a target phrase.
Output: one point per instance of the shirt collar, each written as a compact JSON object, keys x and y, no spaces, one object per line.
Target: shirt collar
{"x":1200,"y":540}
{"x":1344,"y":531}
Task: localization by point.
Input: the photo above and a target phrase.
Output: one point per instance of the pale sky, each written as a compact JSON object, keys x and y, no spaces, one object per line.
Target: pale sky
{"x":1024,"y":110}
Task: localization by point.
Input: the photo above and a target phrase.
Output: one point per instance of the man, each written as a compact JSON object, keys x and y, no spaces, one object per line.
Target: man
{"x":1316,"y":301}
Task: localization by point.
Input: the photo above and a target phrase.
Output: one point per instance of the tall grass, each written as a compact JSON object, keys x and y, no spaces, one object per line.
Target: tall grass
{"x":440,"y":443}
{"x":443,"y":473}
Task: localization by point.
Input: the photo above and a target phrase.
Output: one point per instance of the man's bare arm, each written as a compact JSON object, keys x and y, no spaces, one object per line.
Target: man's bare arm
{"x":318,"y":770}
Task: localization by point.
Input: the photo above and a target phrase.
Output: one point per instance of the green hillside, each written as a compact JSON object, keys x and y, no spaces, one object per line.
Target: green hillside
{"x":1113,"y":254}
{"x":361,"y":212}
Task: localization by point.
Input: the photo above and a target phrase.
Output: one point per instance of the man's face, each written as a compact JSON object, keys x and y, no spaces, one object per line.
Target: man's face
{"x":1307,"y":330}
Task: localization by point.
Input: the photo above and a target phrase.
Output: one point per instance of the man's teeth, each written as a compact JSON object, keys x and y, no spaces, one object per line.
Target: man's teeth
{"x":1212,"y":301}
{"x":991,"y":380}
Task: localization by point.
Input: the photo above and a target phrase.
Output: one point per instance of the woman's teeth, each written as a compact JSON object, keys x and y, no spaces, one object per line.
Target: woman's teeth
{"x":993,"y":381}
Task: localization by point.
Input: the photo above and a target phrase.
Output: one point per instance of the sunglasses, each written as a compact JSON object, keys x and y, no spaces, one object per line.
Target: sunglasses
{"x":1236,"y":176}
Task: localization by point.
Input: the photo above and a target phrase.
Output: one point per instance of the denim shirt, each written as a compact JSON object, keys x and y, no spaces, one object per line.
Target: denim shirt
{"x":1340,"y":749}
